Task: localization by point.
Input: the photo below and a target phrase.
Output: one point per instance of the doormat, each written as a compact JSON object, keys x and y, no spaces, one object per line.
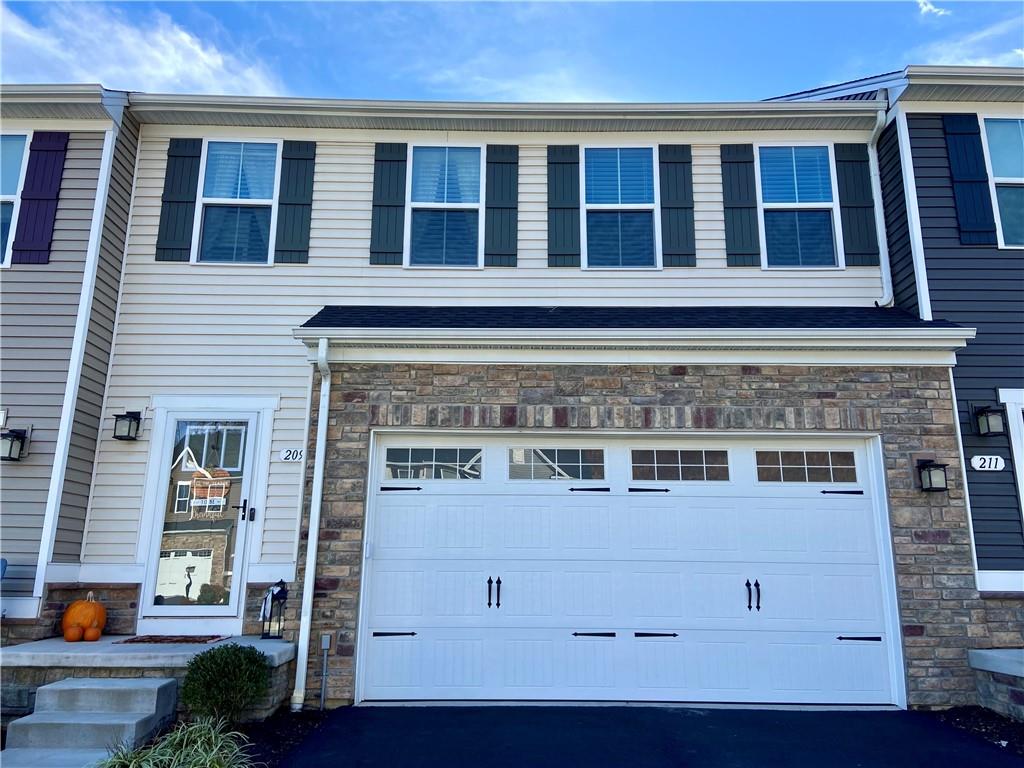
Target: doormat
{"x":169,"y":639}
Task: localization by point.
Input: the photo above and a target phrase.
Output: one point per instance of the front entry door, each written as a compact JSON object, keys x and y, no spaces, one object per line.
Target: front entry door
{"x":203,"y":520}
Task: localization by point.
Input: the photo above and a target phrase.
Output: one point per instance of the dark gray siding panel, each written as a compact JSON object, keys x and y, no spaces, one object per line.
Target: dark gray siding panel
{"x":295,"y":202}
{"x":739,"y":195}
{"x":856,"y":205}
{"x":85,"y":428}
{"x":678,"y":245}
{"x":564,"y":206}
{"x":501,"y":216}
{"x":977,"y":286}
{"x":387,"y":227}
{"x":178,"y":203}
{"x":897,"y":228}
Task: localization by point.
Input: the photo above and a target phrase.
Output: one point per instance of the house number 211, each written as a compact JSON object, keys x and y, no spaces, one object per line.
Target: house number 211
{"x":987,"y":463}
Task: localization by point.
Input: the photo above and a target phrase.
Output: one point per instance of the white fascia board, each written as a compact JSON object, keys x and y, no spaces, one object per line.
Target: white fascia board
{"x":917,"y":346}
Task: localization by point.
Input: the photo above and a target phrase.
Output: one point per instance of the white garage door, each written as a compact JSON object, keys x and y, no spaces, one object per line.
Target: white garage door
{"x":529,"y":568}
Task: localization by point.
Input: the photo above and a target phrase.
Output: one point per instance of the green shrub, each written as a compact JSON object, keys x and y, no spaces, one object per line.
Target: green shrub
{"x":204,"y":743}
{"x":223,"y":681}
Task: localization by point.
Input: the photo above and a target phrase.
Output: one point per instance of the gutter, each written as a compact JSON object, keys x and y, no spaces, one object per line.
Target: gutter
{"x":76,"y":361}
{"x":313,"y":537}
{"x":876,"y":190}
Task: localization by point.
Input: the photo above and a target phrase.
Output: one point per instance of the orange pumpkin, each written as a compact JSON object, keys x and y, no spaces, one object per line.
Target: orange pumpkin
{"x":73,"y":634}
{"x":85,"y":614}
{"x":91,"y":634}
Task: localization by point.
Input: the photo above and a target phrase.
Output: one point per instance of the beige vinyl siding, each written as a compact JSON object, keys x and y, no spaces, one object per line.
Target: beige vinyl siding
{"x":38,"y":309}
{"x":226,"y":329}
{"x":89,"y":402}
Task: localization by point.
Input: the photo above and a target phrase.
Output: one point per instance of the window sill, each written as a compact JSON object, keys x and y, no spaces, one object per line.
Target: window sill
{"x":1001,"y":581}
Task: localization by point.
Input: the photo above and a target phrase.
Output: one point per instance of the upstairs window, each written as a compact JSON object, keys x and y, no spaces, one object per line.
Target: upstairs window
{"x":1005,"y":140}
{"x":799,"y":206}
{"x":620,"y":229}
{"x":238,"y":204}
{"x":12,"y":175}
{"x":446,"y":213}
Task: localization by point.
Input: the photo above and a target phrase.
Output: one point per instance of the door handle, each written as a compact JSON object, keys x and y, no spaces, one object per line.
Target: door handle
{"x":490,"y":586}
{"x":497,"y":603}
{"x":749,"y":595}
{"x":757,"y":586}
{"x":244,"y":506}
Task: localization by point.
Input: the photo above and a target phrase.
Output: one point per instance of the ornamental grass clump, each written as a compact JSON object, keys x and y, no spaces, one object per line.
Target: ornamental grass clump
{"x":224,"y":681}
{"x":202,"y":743}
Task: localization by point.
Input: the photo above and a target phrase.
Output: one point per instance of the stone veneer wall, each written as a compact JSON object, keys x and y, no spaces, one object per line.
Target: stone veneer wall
{"x":120,"y":600}
{"x":1001,"y":693}
{"x":941,"y":612}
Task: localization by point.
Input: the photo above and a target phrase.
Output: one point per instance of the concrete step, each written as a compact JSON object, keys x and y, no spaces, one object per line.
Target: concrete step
{"x":51,"y":758}
{"x":88,"y":730}
{"x":86,"y":694}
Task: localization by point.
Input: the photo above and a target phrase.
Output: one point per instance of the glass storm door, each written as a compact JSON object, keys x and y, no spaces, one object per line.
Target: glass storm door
{"x":204,"y":518}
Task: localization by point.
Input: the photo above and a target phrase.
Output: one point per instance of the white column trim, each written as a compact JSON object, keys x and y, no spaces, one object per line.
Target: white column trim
{"x":75,"y":363}
{"x":924,"y":301}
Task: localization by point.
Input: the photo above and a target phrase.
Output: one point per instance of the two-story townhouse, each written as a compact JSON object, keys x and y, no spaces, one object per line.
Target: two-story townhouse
{"x":67,"y":155}
{"x":952,"y":166}
{"x":535,"y":402}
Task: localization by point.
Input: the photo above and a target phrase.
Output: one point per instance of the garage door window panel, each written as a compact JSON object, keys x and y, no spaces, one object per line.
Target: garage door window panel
{"x":556,"y":464}
{"x":433,"y":464}
{"x":806,"y":467}
{"x":671,"y":466}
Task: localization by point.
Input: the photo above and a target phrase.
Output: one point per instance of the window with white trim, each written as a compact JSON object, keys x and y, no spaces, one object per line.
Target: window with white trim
{"x":238,"y":203}
{"x":799,"y":207}
{"x":619,"y":227}
{"x":445,"y":207}
{"x":182,"y":492}
{"x":12,"y":176}
{"x":1005,"y":139}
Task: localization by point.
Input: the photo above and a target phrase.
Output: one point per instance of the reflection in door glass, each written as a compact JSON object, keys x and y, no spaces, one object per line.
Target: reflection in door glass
{"x":199,"y":525}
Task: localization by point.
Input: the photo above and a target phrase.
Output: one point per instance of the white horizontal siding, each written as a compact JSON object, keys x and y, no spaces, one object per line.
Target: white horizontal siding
{"x":195,"y":329}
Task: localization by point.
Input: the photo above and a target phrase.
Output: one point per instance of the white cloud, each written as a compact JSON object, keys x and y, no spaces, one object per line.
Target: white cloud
{"x":150,"y":52}
{"x":997,"y":45}
{"x":926,"y":7}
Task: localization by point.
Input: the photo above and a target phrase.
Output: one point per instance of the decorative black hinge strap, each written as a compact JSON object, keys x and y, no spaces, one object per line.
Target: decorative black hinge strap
{"x":595,"y":490}
{"x":871,"y":639}
{"x":394,"y":634}
{"x":593,"y":634}
{"x":649,"y":490}
{"x":400,"y":488}
{"x":846,"y":493}
{"x":655,"y":634}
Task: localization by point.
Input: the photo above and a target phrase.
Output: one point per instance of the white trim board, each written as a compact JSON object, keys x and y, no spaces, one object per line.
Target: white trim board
{"x":20,"y":607}
{"x":1000,"y":581}
{"x":1014,"y":399}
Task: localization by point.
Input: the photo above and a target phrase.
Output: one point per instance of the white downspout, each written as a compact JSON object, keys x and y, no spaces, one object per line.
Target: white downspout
{"x":876,"y":191}
{"x":312,"y":539}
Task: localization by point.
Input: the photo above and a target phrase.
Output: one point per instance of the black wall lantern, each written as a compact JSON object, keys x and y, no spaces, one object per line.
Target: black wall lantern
{"x":12,"y":444}
{"x":127,"y":425}
{"x":932,"y":475}
{"x":272,"y":611}
{"x":990,"y":421}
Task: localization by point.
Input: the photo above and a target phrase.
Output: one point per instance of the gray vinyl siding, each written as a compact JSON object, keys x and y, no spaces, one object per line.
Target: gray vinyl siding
{"x":89,"y":403}
{"x":897,"y":228}
{"x":980,"y":287}
{"x":38,"y":309}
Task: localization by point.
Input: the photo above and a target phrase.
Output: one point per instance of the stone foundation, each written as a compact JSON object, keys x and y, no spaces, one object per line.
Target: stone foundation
{"x":911,"y":408}
{"x":1000,"y":678}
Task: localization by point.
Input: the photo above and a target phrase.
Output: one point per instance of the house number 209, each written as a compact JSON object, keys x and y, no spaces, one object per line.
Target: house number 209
{"x":293,"y":454}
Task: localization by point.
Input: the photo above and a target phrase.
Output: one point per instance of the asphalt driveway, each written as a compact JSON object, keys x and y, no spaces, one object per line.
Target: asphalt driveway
{"x":638,"y":737}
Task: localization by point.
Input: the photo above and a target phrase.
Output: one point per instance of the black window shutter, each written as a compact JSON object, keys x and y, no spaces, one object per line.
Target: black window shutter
{"x":387,"y":228}
{"x":295,"y":202}
{"x":678,"y":247}
{"x":501,"y":216}
{"x":856,"y":205}
{"x":39,"y":195}
{"x":178,"y":203}
{"x":970,"y":180}
{"x":564,"y":206}
{"x":739,"y":195}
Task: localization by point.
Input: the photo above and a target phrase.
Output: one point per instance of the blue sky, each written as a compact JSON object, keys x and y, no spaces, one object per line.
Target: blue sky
{"x":499,"y":51}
